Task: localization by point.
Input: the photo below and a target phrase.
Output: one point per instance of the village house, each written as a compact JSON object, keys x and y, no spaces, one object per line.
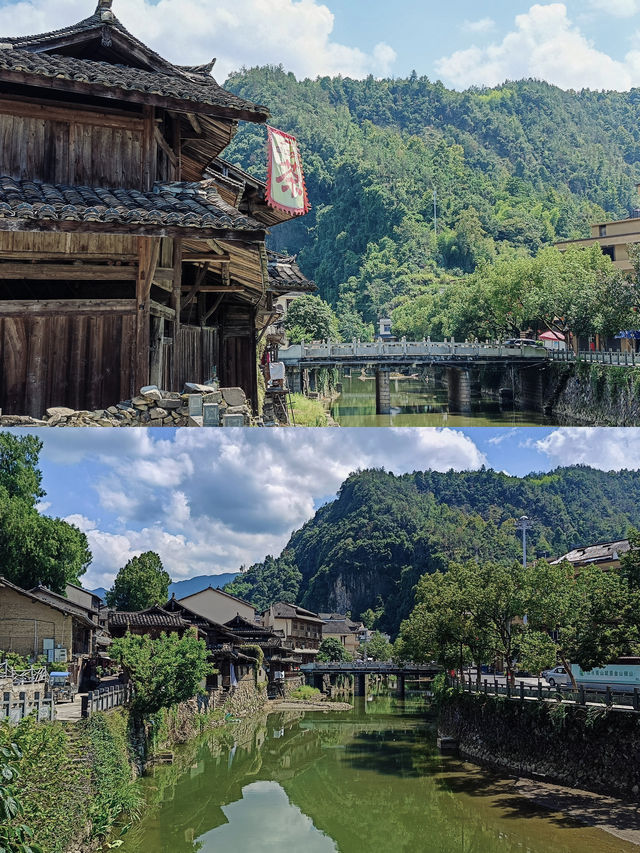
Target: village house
{"x":338,"y":626}
{"x":218,"y":606}
{"x":152,"y":622}
{"x":301,"y":629}
{"x":278,"y":658}
{"x":604,"y":554}
{"x":129,"y":253}
{"x":39,"y":622}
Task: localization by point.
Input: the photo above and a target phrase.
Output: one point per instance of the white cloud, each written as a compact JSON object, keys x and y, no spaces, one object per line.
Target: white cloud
{"x":296,"y":33}
{"x":482,"y":25}
{"x":617,"y":8}
{"x":546,"y":45}
{"x":609,"y":449}
{"x":503,"y":435}
{"x":237,"y":497}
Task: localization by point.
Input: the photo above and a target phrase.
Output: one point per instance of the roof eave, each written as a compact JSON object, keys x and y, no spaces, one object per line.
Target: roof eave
{"x":256,"y":116}
{"x":151,"y":230}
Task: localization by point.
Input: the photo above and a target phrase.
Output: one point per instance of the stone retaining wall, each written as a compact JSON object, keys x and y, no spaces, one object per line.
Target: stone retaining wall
{"x":196,"y":406}
{"x":595,"y":749}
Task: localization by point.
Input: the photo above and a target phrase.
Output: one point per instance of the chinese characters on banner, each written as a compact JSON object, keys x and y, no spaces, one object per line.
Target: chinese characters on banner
{"x":285,"y":180}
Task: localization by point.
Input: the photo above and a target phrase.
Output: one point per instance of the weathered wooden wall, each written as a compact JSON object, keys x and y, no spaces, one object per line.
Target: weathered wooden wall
{"x":80,"y":360}
{"x":197,"y":347}
{"x":237,"y":361}
{"x":64,"y":146}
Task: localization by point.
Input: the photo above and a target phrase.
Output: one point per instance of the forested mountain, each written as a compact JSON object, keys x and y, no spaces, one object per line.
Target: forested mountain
{"x":367,"y":548}
{"x":514,"y":168}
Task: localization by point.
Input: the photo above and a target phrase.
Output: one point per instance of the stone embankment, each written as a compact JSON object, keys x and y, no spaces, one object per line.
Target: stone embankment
{"x":596,"y":749}
{"x":196,"y":406}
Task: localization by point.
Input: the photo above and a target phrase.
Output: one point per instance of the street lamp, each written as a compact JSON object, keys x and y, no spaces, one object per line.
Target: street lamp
{"x":524,"y":524}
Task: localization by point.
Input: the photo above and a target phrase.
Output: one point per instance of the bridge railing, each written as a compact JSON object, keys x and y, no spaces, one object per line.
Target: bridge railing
{"x":629,"y":699}
{"x":368,"y":666}
{"x":620,"y":359}
{"x":408,"y":349}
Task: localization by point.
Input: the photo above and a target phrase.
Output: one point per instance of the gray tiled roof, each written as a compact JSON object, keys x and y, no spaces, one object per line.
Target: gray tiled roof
{"x":37,"y":54}
{"x":178,"y":205}
{"x":181,"y":86}
{"x":154,"y":617}
{"x":285,"y":275}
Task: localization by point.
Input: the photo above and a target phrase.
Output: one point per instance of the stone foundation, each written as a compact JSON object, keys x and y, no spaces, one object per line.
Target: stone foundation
{"x":196,"y":406}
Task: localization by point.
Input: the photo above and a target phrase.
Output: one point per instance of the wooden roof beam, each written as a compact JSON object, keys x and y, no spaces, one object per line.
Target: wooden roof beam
{"x":74,"y":272}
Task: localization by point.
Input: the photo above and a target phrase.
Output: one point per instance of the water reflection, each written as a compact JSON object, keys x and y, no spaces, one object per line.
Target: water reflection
{"x":366,"y":780}
{"x":416,"y":403}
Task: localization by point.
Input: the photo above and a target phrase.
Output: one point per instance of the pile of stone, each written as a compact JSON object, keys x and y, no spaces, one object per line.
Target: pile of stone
{"x":196,"y":406}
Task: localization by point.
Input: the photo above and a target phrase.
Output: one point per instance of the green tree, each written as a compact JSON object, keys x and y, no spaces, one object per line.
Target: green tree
{"x":34,"y":548}
{"x":332,"y":649}
{"x":309,"y":319}
{"x":378,"y":647}
{"x":19,"y":472}
{"x":164,"y":670}
{"x":141,"y":583}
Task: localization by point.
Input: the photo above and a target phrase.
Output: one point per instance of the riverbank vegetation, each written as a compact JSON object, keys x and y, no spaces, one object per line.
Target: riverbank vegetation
{"x":74,"y":783}
{"x":372,"y":544}
{"x":308,"y":412}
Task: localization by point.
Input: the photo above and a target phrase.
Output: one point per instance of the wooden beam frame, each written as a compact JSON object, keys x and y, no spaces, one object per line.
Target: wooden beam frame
{"x":75,"y":272}
{"x":200,"y":277}
{"x":211,"y":310}
{"x":27,"y":307}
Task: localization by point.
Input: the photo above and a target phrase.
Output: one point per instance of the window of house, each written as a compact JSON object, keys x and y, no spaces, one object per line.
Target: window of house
{"x":603,"y":230}
{"x":610,"y":251}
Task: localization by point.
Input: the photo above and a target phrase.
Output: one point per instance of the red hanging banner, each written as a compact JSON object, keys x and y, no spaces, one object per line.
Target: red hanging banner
{"x":286,"y":189}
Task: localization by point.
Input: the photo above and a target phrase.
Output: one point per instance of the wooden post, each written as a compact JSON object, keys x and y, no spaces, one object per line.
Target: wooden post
{"x":157,"y":337}
{"x":148,"y":250}
{"x":176,"y":356}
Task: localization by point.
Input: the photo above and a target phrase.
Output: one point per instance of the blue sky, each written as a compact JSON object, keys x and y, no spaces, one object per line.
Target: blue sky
{"x":210,"y":501}
{"x":592,"y":43}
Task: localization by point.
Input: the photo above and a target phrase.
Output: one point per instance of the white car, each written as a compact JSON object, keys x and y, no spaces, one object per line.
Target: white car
{"x":558,"y":676}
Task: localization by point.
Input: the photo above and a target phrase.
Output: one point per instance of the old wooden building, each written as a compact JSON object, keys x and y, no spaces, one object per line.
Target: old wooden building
{"x":129,"y":252}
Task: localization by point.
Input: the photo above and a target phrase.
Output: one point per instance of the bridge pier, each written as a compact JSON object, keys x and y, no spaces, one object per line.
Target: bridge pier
{"x":383,"y":391}
{"x":459,"y":389}
{"x":294,"y":380}
{"x":531,"y":395}
{"x":401,"y":685}
{"x":360,"y":684}
{"x":318,"y":681}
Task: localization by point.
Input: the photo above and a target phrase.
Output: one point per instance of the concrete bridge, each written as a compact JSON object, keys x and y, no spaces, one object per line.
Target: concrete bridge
{"x":385,"y":356}
{"x":302,"y":360}
{"x":320,"y":673}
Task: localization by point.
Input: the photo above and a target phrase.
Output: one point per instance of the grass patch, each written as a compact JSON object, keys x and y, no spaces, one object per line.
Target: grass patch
{"x":309,"y":413}
{"x":305,"y":692}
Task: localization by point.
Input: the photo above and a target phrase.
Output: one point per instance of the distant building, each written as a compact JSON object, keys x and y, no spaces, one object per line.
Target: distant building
{"x":218,"y":606}
{"x":613,"y":238}
{"x":605,"y":554}
{"x":301,"y":629}
{"x":384,"y":332}
{"x":339,"y":627}
{"x":40,"y":622}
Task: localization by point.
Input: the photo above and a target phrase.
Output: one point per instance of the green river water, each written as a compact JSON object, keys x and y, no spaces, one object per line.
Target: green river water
{"x":364,"y":781}
{"x":415,"y":403}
